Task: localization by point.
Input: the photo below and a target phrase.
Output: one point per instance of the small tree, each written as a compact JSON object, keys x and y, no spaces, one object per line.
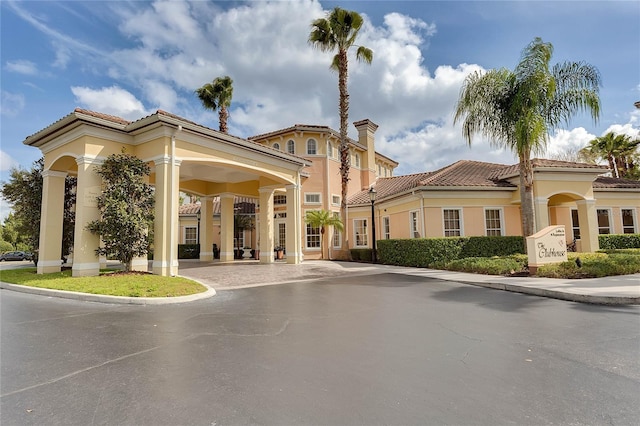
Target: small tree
{"x":24,"y":192}
{"x":321,"y":219}
{"x":126,"y":209}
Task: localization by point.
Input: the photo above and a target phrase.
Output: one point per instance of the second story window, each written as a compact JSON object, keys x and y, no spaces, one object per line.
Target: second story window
{"x":276,"y":146}
{"x":312,"y":148}
{"x":312,"y":198}
{"x":291,"y":147}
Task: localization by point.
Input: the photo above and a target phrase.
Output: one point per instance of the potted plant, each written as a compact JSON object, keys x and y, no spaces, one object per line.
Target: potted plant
{"x":279,"y":252}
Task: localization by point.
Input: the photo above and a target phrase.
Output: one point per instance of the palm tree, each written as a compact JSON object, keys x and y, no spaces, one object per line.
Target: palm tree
{"x":338,"y":32}
{"x":217,"y":96}
{"x":321,"y":219}
{"x":518,"y":109}
{"x":618,"y":150}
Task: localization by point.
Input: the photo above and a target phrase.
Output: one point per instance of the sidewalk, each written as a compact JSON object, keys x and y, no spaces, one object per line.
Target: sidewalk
{"x":616,"y":290}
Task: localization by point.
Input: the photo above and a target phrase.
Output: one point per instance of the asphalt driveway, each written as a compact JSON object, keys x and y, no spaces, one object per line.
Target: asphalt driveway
{"x":351,"y":350}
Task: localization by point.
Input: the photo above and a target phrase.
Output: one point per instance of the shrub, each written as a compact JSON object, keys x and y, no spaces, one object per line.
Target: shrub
{"x":619,"y":241}
{"x":188,"y":251}
{"x":488,"y":265}
{"x":593,"y":265}
{"x":419,"y":252}
{"x":492,"y":246}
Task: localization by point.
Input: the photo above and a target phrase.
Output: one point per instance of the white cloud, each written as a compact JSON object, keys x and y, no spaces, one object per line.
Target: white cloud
{"x":279,"y":80}
{"x":110,"y":100}
{"x":6,"y":162}
{"x":12,"y":103}
{"x":22,"y":66}
{"x":567,"y":141}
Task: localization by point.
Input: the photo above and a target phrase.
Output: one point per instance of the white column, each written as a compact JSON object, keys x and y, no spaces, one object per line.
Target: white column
{"x":541,"y":207}
{"x":266,"y":225}
{"x":226,"y":227}
{"x":206,"y":229}
{"x":51,"y":214}
{"x":588,"y":221}
{"x":165,"y":238}
{"x":294,"y":225}
{"x":89,"y":187}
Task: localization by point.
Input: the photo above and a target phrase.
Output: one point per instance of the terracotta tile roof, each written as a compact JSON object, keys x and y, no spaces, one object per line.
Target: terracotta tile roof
{"x":463,"y":173}
{"x":242,"y":205}
{"x":190,"y":209}
{"x":604,"y":182}
{"x":467,"y":173}
{"x":389,"y":186}
{"x":107,"y":117}
{"x":513,"y":170}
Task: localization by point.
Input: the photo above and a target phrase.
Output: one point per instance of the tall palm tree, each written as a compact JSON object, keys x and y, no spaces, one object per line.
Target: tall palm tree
{"x":618,"y":150}
{"x":217,"y":96}
{"x":337,"y":33}
{"x":321,"y":219}
{"x":518,"y":109}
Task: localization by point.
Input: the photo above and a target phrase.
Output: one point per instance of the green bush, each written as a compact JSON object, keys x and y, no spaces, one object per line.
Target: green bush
{"x":619,"y":241}
{"x":188,"y":251}
{"x":5,"y":246}
{"x":426,"y":252}
{"x":487,"y":265}
{"x":419,"y":252}
{"x":593,"y":265}
{"x":365,"y":255}
{"x":492,"y":246}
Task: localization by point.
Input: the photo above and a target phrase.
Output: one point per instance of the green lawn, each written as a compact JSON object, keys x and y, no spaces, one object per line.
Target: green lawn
{"x":108,"y":283}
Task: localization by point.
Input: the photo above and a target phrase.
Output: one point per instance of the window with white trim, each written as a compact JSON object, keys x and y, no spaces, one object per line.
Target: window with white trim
{"x":493,"y":222}
{"x":575,"y":224}
{"x":313,"y":237}
{"x":386,"y":228}
{"x":357,"y":160}
{"x":452,"y":222}
{"x":312,"y":147}
{"x":361,"y":232}
{"x":414,"y":224}
{"x":190,"y":235}
{"x":604,"y":224}
{"x":276,"y":146}
{"x":312,"y":198}
{"x":335,"y":200}
{"x":291,"y":147}
{"x":628,"y":221}
{"x":279,"y":199}
{"x":337,"y":235}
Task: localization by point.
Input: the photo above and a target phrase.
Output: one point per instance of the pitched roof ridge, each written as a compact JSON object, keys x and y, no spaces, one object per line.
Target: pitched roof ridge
{"x":102,"y":115}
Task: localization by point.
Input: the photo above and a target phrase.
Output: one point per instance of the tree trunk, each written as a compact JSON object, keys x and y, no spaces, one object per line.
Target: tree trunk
{"x":345,"y":158}
{"x":223,"y":114}
{"x":526,"y":196}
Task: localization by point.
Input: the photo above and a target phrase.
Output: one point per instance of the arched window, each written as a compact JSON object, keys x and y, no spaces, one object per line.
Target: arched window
{"x":276,"y":146}
{"x":312,"y":147}
{"x":291,"y":147}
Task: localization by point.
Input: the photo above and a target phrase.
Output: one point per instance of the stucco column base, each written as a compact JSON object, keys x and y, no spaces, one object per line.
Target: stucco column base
{"x":140,"y":264}
{"x":158,"y":268}
{"x":85,"y":269}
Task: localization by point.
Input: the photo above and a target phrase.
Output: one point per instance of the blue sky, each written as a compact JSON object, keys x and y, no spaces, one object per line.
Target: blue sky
{"x":132,"y":58}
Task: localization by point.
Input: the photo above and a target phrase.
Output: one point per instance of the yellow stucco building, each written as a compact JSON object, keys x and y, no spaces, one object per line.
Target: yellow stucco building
{"x":285,"y":173}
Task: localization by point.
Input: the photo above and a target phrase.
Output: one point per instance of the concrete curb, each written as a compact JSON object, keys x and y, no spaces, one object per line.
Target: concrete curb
{"x":100,"y":298}
{"x":561,"y":295}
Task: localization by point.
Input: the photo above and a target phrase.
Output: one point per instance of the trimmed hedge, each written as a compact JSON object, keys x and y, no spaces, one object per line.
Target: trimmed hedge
{"x":188,"y":251}
{"x":425,"y":252}
{"x":492,"y":246}
{"x":619,"y":241}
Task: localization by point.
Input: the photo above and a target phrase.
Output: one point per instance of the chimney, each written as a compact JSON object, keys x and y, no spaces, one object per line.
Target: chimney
{"x":366,"y":130}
